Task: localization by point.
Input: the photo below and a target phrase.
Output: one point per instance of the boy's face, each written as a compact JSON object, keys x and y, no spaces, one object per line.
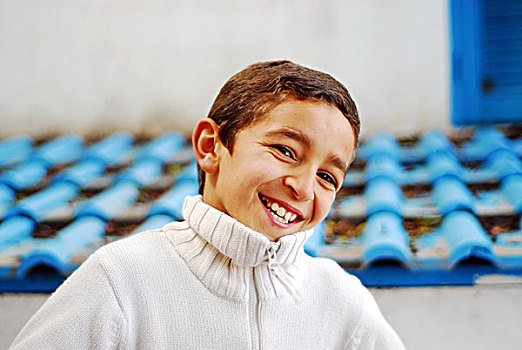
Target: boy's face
{"x":285,"y":170}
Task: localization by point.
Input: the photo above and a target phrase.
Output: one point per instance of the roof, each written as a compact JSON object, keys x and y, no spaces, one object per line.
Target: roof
{"x":425,"y":210}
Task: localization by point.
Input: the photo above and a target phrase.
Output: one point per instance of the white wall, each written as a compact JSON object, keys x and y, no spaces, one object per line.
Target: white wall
{"x":483,"y":317}
{"x":85,"y":65}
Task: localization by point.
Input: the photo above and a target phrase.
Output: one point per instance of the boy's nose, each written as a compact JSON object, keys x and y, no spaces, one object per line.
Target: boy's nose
{"x":301,"y":185}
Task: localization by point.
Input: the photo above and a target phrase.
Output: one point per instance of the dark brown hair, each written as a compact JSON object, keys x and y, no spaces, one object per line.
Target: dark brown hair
{"x":249,"y":95}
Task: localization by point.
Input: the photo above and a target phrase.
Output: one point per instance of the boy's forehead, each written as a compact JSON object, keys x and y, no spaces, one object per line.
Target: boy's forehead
{"x":290,"y":105}
{"x":310,"y":123}
{"x":284,"y":118}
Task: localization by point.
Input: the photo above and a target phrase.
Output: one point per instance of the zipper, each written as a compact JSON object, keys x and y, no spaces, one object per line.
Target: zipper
{"x":254,"y":313}
{"x":258,"y":314}
{"x":259,"y":325}
{"x":255,"y":305}
{"x":281,"y":275}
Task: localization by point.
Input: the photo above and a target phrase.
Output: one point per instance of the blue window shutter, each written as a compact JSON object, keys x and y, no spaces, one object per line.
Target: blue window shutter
{"x":486,"y":49}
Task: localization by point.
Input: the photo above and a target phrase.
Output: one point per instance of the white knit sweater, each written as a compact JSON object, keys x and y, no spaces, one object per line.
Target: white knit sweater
{"x":208,"y":283}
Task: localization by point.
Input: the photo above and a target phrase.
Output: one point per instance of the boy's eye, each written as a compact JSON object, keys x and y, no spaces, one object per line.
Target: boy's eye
{"x":287,"y":152}
{"x":328,"y":178}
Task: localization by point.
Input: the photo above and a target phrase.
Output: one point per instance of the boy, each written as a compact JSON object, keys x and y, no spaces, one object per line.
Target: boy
{"x":272,"y":154}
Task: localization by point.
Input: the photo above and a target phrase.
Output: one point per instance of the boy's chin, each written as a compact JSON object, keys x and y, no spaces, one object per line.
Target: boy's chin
{"x":275,"y":234}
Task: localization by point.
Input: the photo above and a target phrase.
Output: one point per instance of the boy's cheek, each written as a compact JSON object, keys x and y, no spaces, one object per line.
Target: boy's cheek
{"x":325,"y":205}
{"x":267,"y":172}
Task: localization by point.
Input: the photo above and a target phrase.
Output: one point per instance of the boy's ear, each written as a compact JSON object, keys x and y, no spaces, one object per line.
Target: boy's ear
{"x":205,"y":140}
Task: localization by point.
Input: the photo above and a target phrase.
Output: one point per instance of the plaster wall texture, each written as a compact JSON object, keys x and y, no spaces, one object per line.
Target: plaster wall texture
{"x":482,"y":317}
{"x":86,"y":66}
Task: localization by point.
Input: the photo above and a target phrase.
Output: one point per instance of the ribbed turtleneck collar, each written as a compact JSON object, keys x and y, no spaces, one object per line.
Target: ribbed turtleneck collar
{"x":218,"y":249}
{"x":243,"y":245}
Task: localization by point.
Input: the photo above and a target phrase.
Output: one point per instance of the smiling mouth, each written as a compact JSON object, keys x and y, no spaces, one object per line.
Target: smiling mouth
{"x":279,"y":212}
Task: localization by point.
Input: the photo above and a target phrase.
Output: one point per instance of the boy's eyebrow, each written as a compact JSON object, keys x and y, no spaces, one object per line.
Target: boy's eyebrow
{"x":297,"y":136}
{"x":337,"y":161}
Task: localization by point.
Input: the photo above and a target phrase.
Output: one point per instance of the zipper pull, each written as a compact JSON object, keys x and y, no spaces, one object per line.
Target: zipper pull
{"x":271,"y":252}
{"x":282,"y":276}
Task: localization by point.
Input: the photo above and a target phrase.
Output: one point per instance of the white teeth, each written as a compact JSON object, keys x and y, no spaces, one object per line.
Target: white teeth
{"x":280,"y":219}
{"x":278,"y":212}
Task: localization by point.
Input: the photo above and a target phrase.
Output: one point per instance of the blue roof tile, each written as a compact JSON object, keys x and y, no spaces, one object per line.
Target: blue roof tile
{"x":7,"y":196}
{"x":430,"y":209}
{"x":382,"y":144}
{"x":36,"y":205}
{"x":384,"y":238}
{"x":61,"y":150}
{"x":110,"y":150}
{"x":142,"y":173}
{"x":435,"y":142}
{"x":153,"y":222}
{"x":57,"y":252}
{"x":162,"y":148}
{"x":171,"y":202}
{"x":14,"y":230}
{"x":15,"y":150}
{"x":512,"y":190}
{"x":383,"y":195}
{"x":451,"y":194}
{"x":110,"y":202}
{"x":382,"y":165}
{"x":504,"y":164}
{"x":82,"y":173}
{"x":24,"y":175}
{"x":466,"y":238}
{"x":442,"y":165}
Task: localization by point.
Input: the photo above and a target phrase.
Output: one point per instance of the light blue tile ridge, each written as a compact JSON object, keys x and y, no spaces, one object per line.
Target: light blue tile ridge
{"x":504,"y":163}
{"x":383,"y":165}
{"x":14,"y":230}
{"x":441,"y":164}
{"x":485,"y":143}
{"x":36,"y":205}
{"x":492,"y":140}
{"x":189,"y":173}
{"x":82,"y":173}
{"x":171,"y":203}
{"x":162,"y":148}
{"x":430,"y":142}
{"x":516,"y":145}
{"x":380,"y":144}
{"x":384,"y":238}
{"x":511,"y":188}
{"x":112,"y":149}
{"x":451,"y":194}
{"x":24,"y":175}
{"x":142,"y":173}
{"x":436,"y":142}
{"x":383,"y":195}
{"x":7,"y":195}
{"x":315,"y":244}
{"x":466,"y":238}
{"x":63,"y":149}
{"x":15,"y":150}
{"x":153,"y":223}
{"x":110,"y":202}
{"x":57,"y":252}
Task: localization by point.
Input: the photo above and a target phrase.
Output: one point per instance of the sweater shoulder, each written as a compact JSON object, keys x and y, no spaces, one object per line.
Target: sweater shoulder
{"x":328,"y":271}
{"x":137,"y":245}
{"x":342,"y":288}
{"x":140,"y":252}
{"x":360,"y":313}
